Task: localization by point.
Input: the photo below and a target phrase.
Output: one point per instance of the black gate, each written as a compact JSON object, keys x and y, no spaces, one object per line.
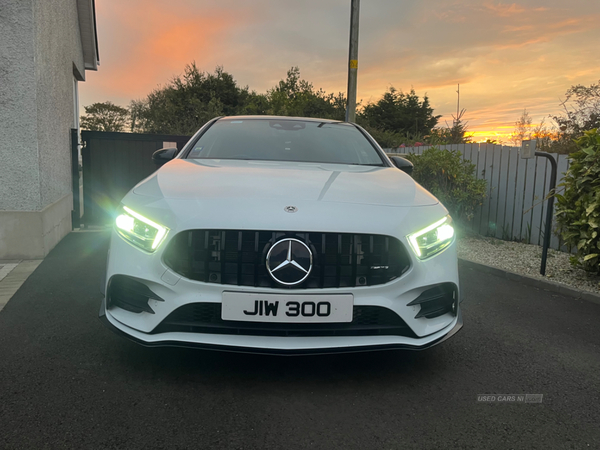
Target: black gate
{"x":113,"y":163}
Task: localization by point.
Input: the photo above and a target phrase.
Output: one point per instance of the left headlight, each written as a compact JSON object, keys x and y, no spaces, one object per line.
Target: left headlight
{"x":433,"y":239}
{"x":139,"y":230}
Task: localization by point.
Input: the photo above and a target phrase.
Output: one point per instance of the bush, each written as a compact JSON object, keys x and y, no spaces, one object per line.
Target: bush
{"x":451,"y":179}
{"x":387,"y":139}
{"x":393,"y":139}
{"x":578,"y":208}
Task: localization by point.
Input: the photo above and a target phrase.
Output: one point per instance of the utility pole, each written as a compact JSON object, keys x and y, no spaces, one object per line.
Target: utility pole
{"x":353,"y":61}
{"x":457,"y":104}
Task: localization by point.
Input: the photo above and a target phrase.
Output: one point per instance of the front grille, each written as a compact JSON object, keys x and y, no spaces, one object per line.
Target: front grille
{"x":231,"y":257}
{"x":206,"y":318}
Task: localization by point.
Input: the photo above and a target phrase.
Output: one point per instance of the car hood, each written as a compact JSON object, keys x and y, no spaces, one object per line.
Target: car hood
{"x":289,"y":181}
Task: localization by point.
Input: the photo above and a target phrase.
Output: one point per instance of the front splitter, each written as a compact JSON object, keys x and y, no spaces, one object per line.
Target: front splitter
{"x":282,"y":352}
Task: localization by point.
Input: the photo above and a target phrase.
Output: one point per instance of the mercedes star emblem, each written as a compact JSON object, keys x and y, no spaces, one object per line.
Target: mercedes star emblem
{"x":289,"y":261}
{"x":290,"y":209}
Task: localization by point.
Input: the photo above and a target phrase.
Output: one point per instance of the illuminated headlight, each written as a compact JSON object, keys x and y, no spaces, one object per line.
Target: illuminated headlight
{"x":432,"y":239}
{"x":139,"y":230}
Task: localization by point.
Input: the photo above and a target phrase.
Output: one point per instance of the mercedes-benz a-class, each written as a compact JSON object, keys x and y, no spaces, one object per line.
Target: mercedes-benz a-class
{"x":282,"y":235}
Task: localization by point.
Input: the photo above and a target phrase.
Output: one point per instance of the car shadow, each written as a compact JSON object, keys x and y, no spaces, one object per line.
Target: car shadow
{"x":190,"y":365}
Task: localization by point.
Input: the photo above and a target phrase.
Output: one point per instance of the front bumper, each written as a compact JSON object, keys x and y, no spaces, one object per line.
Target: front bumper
{"x":279,"y":345}
{"x":175,"y":291}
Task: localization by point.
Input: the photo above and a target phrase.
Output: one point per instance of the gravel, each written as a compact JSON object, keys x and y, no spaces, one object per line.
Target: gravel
{"x":524,"y":259}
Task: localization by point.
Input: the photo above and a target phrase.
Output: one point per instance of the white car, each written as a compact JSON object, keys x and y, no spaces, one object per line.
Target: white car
{"x":282,"y":235}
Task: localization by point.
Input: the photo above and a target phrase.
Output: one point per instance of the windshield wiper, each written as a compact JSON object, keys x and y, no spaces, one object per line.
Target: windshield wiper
{"x":329,"y":123}
{"x":359,"y":164}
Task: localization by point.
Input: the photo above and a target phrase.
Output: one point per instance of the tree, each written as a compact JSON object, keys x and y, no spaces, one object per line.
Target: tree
{"x":582,"y":110}
{"x":104,"y":116}
{"x":400,"y":113}
{"x":458,"y":131}
{"x":297,"y":97}
{"x":192,"y":99}
{"x":523,"y":129}
{"x":581,"y":113}
{"x":455,"y":134}
{"x":137,"y":123}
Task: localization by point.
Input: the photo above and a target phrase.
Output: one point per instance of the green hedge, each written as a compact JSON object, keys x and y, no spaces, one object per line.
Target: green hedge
{"x":578,"y":208}
{"x":451,"y":179}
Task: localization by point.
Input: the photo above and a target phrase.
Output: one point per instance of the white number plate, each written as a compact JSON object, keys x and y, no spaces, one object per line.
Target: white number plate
{"x":251,"y":307}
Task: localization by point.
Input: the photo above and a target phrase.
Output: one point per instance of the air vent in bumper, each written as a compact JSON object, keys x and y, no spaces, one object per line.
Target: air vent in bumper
{"x":437,"y":300}
{"x":129,"y":294}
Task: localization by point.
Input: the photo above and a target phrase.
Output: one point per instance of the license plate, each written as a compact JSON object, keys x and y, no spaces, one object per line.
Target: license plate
{"x":249,"y":307}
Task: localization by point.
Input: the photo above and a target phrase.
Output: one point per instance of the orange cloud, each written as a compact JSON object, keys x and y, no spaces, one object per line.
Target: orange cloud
{"x":504,"y":10}
{"x":514,"y":28}
{"x":149,"y":44}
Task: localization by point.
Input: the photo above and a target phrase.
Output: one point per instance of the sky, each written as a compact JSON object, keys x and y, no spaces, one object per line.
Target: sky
{"x":505,"y":56}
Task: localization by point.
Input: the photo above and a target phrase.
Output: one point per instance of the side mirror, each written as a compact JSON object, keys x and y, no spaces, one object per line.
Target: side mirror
{"x":403,"y":164}
{"x":164,"y":155}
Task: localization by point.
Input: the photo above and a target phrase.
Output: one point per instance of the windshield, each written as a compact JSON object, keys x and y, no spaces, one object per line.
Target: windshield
{"x":286,"y":140}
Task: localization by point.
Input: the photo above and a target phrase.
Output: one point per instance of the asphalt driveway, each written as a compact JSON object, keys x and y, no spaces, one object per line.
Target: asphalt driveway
{"x":68,"y":382}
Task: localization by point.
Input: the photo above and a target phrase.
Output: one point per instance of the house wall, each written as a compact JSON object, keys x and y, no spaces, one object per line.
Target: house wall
{"x":19,"y":171}
{"x":57,"y":49}
{"x":40,"y":53}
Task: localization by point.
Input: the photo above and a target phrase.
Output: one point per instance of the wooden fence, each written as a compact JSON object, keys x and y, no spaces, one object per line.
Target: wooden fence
{"x":514,"y":208}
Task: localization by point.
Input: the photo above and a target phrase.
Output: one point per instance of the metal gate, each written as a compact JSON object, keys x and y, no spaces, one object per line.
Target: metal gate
{"x":113,"y":163}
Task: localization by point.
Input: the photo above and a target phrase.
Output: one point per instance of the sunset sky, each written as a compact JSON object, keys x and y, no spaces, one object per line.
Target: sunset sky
{"x":506,"y":56}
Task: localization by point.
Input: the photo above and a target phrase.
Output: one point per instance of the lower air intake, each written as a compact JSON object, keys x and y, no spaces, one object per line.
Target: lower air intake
{"x":437,"y":300}
{"x":129,"y":294}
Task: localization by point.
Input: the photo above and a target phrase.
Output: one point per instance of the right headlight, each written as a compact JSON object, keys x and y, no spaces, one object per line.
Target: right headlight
{"x":432,"y":239}
{"x":139,"y":230}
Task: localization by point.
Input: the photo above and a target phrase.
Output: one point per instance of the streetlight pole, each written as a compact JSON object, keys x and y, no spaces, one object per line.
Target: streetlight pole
{"x":353,"y":62}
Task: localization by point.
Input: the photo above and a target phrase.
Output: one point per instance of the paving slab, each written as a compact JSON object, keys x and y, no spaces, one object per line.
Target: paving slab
{"x":12,"y":276}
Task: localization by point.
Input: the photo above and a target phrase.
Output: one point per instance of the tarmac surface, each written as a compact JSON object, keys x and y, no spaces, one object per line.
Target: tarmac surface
{"x":68,"y":382}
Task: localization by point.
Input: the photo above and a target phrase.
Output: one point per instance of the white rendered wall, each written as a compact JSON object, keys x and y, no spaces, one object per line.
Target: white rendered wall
{"x":40,"y":55}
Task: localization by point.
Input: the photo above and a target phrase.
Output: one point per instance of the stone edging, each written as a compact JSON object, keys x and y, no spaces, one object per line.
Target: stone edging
{"x":530,"y":281}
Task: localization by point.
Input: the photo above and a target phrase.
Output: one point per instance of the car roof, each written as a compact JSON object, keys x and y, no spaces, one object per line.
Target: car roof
{"x":305,"y":119}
